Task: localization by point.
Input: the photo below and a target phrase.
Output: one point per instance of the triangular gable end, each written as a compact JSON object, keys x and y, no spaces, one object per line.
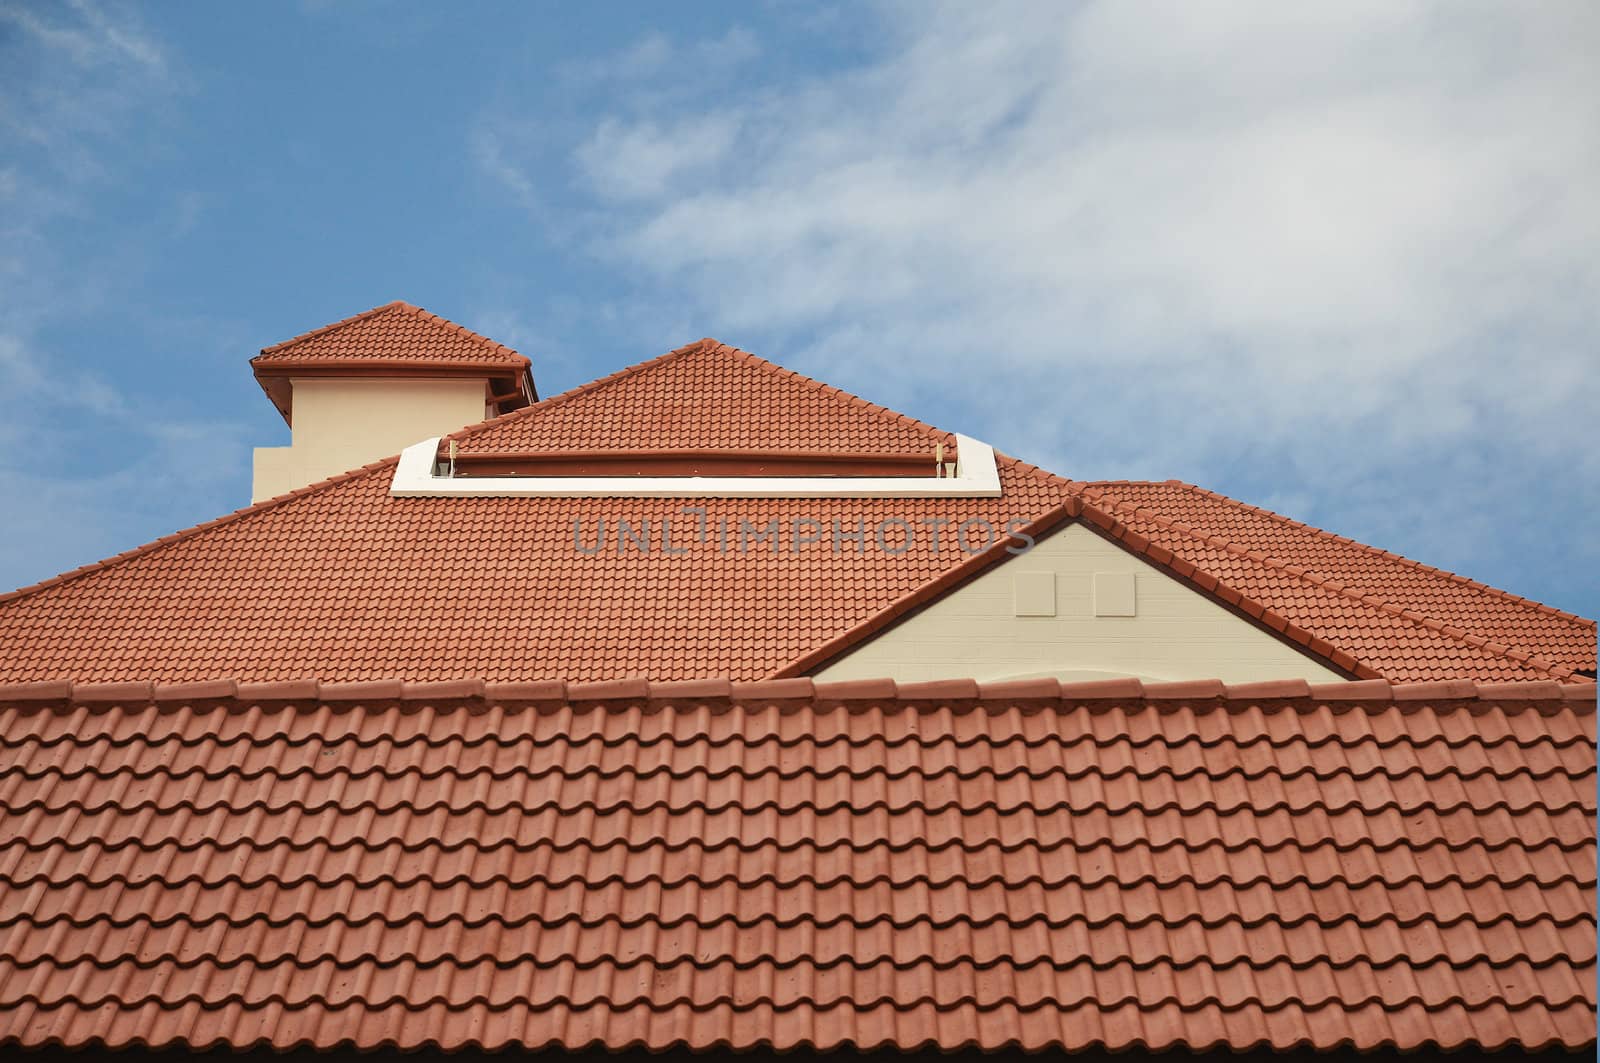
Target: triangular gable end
{"x":1078,"y":606}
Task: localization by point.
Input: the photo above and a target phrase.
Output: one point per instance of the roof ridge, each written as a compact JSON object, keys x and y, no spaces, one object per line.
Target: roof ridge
{"x":1389,"y":555}
{"x":1520,"y":657}
{"x":417,"y":312}
{"x":1366,"y":692}
{"x":190,"y":532}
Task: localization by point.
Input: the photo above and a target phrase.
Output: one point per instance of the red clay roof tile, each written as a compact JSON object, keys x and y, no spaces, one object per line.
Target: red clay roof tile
{"x":396,"y":332}
{"x":657,"y":870}
{"x":340,"y":579}
{"x":1316,"y":579}
{"x":708,"y":395}
{"x":394,"y":339}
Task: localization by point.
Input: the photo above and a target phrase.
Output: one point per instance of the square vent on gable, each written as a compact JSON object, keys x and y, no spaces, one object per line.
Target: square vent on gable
{"x":1114,"y":594}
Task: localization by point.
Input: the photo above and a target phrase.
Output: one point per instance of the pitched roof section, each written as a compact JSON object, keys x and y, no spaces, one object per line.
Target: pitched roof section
{"x":394,"y":339}
{"x":712,"y":396}
{"x":342,"y":580}
{"x":784,"y":864}
{"x":1399,"y":616}
{"x":396,"y":332}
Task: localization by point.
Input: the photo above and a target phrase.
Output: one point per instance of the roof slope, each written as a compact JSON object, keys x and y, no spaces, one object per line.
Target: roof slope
{"x":781,"y":864}
{"x":395,"y":332}
{"x":1377,"y":605}
{"x":343,"y":581}
{"x":713,"y":396}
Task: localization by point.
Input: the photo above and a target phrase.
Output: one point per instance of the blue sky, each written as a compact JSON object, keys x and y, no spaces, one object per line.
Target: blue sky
{"x":1343,"y":261}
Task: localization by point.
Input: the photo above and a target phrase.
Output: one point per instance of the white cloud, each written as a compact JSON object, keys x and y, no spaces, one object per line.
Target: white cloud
{"x":1157,"y":239}
{"x":640,"y":160}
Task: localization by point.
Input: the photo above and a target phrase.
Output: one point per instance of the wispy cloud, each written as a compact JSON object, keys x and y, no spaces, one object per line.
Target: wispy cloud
{"x":84,"y":91}
{"x":1335,"y":247}
{"x":644,"y":160}
{"x":79,"y":85}
{"x":95,"y":38}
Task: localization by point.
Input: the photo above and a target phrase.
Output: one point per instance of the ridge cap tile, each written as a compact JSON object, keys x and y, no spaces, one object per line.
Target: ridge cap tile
{"x":442,"y":690}
{"x":940,"y":690}
{"x":1353,"y":690}
{"x":362,"y":690}
{"x":36,"y":690}
{"x":1037,"y":689}
{"x":690,"y":690}
{"x":533,"y":691}
{"x":1436,"y":690}
{"x":1583,"y":693}
{"x":1520,"y":690}
{"x":851,"y":690}
{"x":1101,"y":690}
{"x":1186,"y":690}
{"x":1269,"y":690}
{"x":757,"y":691}
{"x":196,"y":690}
{"x":609,"y":690}
{"x":133,"y":691}
{"x":279,"y":690}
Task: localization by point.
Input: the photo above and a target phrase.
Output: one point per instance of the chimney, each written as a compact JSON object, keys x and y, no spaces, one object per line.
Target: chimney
{"x":369,"y":386}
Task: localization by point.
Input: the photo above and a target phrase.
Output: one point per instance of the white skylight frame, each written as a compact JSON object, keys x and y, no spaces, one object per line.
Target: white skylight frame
{"x":975,"y":477}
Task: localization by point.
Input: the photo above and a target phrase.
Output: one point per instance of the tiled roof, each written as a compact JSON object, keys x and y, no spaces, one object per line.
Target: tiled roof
{"x":394,"y":332}
{"x":346,"y":582}
{"x":713,"y":396}
{"x":784,"y":864}
{"x":342,"y":580}
{"x":1405,"y":620}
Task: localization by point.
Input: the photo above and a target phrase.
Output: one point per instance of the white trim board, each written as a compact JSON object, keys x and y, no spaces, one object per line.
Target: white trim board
{"x":976,"y":477}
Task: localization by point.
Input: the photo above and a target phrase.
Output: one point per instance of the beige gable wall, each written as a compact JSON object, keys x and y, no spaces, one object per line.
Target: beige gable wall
{"x":342,"y":424}
{"x":1176,"y":632}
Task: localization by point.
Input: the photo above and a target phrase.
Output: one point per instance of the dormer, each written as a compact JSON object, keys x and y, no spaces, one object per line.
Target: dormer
{"x":369,"y":386}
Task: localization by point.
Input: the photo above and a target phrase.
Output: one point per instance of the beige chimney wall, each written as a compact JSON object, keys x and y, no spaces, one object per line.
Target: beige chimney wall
{"x":341,"y":423}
